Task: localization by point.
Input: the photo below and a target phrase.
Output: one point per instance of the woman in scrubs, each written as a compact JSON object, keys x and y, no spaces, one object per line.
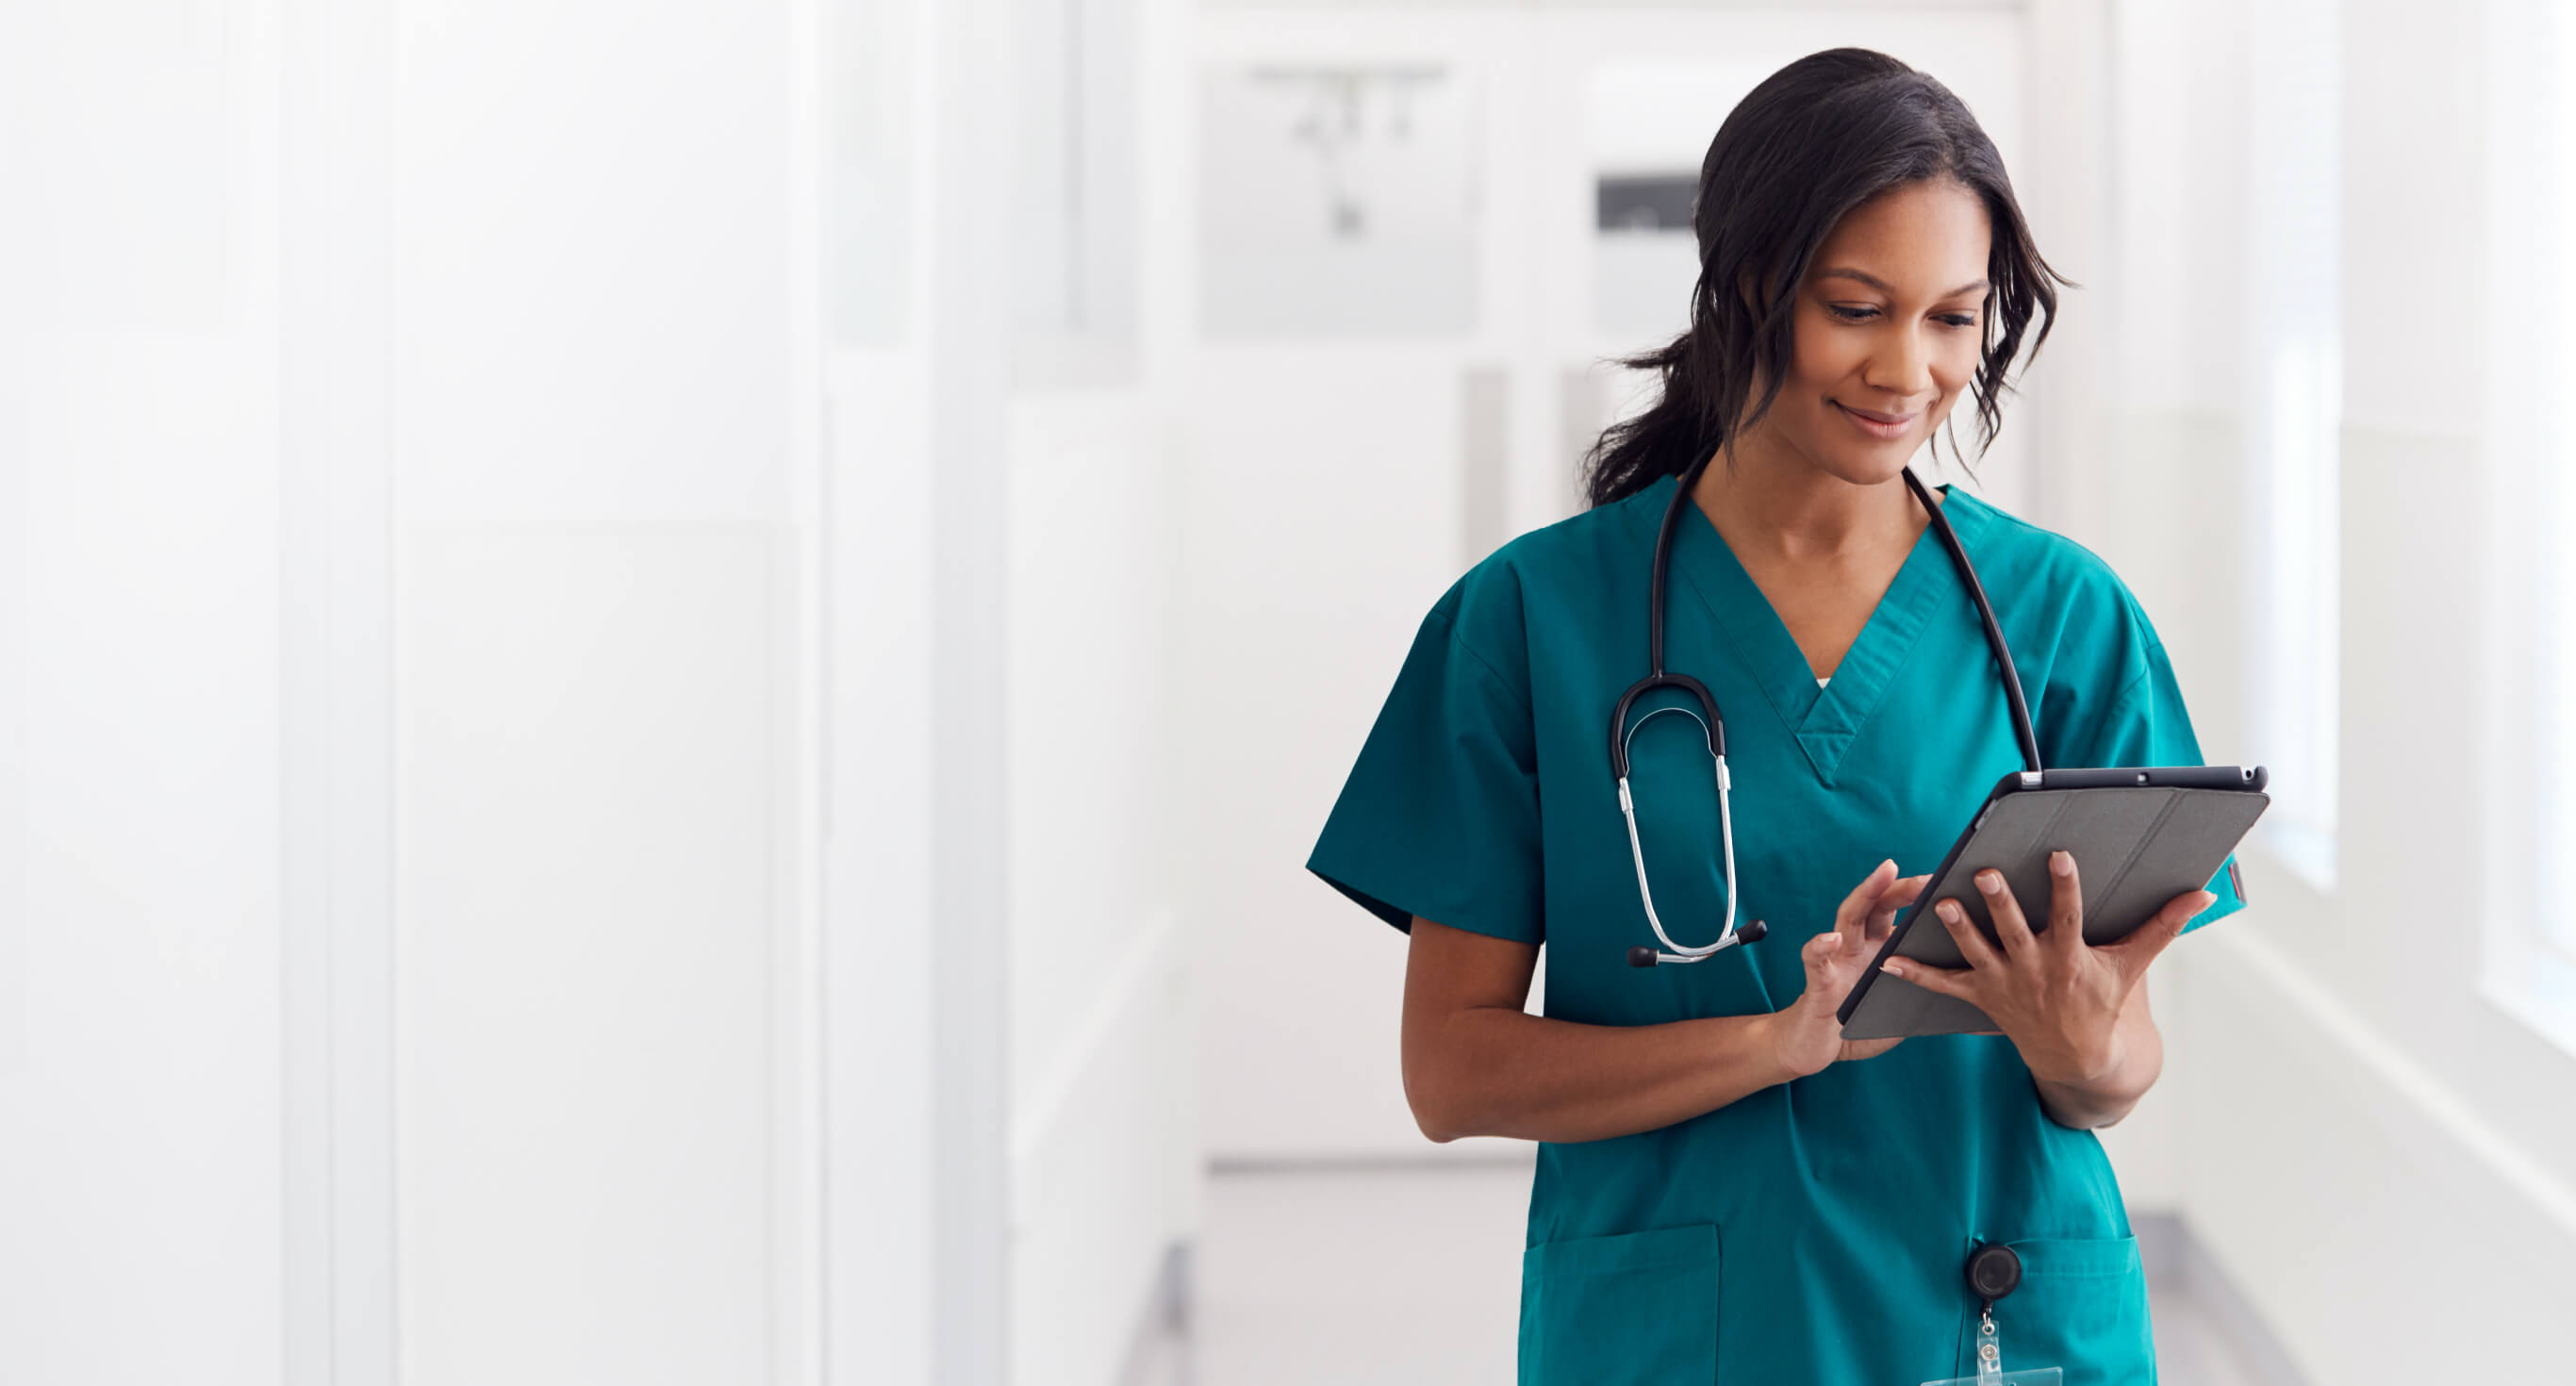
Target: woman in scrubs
{"x":1726,"y":1190}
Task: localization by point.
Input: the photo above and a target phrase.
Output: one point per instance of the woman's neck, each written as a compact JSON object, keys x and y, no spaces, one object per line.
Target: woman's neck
{"x":1784,"y":506}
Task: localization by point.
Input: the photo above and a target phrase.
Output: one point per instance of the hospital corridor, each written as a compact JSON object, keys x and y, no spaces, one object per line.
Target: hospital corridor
{"x":1287,"y":692}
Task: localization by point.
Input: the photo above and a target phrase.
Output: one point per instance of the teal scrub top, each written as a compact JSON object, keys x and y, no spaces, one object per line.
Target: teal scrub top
{"x":1815,"y":1231}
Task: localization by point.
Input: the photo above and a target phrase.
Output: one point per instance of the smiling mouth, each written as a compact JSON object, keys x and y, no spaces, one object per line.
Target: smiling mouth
{"x":1885,"y":420}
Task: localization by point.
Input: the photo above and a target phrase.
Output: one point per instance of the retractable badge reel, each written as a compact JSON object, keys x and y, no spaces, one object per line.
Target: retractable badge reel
{"x":1994,"y":1272}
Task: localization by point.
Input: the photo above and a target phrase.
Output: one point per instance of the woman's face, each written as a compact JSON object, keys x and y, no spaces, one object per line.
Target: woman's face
{"x":1888,"y":330}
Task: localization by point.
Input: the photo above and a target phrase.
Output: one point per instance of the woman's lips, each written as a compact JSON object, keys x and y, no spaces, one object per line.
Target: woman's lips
{"x":1875,"y":426}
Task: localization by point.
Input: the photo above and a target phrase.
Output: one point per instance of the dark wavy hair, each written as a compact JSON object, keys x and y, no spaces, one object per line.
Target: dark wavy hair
{"x":1817,"y":139}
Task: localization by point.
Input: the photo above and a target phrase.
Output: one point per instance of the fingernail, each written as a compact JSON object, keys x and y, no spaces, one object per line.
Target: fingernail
{"x":1949,"y":910}
{"x":2206,"y":900}
{"x":2063,"y":863}
{"x":1990,"y":881}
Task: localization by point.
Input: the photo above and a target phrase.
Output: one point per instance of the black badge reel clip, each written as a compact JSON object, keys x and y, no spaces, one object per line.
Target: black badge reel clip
{"x":1994,"y":1271}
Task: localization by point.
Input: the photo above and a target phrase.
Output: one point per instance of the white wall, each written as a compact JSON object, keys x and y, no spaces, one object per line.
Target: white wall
{"x":1045,"y":523}
{"x":1101,"y":1147}
{"x":881,"y":1264}
{"x":140,"y":488}
{"x":598,"y":1000}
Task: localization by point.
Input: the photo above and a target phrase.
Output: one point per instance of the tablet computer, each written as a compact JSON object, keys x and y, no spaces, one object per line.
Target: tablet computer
{"x":2141,"y":836}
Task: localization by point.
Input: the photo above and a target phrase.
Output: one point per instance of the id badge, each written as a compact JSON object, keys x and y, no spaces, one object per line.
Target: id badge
{"x":1990,"y":1364}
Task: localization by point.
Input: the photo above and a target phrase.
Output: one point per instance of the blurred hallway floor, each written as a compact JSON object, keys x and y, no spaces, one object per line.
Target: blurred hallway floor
{"x":1406,"y":1276}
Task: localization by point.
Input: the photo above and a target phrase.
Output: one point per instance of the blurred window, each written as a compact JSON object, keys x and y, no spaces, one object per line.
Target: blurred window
{"x":2294,"y":413}
{"x":2549,"y":477}
{"x":2526,"y":708}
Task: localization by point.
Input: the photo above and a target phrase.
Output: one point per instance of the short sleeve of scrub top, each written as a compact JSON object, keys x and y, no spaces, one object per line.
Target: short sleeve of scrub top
{"x":1442,"y":812}
{"x":1815,"y":1230}
{"x":2145,"y":723}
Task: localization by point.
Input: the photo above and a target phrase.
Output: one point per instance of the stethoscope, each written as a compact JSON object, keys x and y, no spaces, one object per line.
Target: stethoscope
{"x":1714,"y":729}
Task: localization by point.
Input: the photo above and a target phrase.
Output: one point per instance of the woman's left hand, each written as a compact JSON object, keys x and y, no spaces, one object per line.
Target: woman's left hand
{"x":2057,"y":997}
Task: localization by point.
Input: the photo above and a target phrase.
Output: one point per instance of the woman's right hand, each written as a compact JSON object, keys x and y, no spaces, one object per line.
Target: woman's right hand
{"x":1806,"y":1036}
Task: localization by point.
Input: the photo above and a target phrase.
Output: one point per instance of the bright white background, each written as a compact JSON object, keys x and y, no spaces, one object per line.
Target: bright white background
{"x":662,"y":690}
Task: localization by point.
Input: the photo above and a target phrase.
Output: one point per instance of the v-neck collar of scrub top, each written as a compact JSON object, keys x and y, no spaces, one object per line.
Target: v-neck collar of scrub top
{"x":1824,"y":719}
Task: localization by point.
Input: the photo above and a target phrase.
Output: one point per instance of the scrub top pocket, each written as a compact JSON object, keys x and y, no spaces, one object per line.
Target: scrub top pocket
{"x":2081,"y":1306}
{"x":1633,"y":1310}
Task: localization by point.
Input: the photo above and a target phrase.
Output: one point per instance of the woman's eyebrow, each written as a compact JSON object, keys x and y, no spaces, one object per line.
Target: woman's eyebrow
{"x":1882,"y":286}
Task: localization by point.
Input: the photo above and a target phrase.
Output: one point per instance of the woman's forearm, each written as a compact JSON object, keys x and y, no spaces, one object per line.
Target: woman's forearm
{"x":1499,"y":1071}
{"x":2100,"y":1099}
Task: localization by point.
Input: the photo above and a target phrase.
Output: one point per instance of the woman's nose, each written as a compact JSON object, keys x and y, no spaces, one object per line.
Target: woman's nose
{"x":1903,"y":367}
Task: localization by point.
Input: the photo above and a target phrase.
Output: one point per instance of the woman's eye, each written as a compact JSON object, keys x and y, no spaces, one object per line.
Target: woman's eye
{"x":1851,"y":314}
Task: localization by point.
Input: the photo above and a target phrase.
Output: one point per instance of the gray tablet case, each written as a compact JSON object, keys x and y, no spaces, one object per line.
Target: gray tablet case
{"x":2140,"y":838}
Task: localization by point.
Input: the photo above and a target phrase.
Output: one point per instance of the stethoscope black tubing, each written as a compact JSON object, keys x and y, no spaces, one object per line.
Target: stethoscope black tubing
{"x":2022,"y":731}
{"x":1658,"y":678}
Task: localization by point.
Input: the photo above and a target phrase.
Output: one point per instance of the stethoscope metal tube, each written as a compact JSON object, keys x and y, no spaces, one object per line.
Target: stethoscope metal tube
{"x":1713,"y":728}
{"x":1729,"y":936}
